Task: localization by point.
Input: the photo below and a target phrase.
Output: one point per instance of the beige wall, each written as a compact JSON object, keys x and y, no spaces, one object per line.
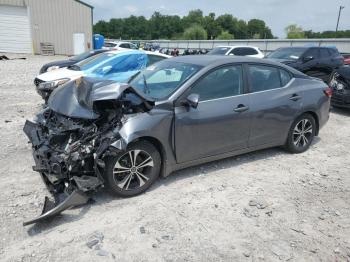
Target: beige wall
{"x":56,"y":21}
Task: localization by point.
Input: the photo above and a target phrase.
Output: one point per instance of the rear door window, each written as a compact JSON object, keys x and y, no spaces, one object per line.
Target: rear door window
{"x":125,"y":45}
{"x":243,"y":51}
{"x":263,"y":78}
{"x":285,"y":77}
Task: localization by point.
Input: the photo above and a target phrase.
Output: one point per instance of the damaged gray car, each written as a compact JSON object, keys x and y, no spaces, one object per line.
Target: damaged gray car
{"x":174,"y":114}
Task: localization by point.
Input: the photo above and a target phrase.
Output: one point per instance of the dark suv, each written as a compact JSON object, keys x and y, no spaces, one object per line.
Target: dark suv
{"x":314,"y":61}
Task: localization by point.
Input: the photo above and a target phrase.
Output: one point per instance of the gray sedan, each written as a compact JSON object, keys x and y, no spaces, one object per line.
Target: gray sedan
{"x":174,"y":114}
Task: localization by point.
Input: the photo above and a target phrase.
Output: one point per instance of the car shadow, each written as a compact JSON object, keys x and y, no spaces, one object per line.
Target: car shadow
{"x":341,"y":111}
{"x":103,"y":197}
{"x":223,"y":164}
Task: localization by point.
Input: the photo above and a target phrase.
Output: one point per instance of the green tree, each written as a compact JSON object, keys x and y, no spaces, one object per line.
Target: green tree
{"x":228,"y":23}
{"x":211,"y":26}
{"x":102,"y":27}
{"x":294,"y":31}
{"x":225,"y":36}
{"x":242,"y":30}
{"x":195,"y":32}
{"x":256,"y":28}
{"x":194,"y":17}
{"x":173,"y":27}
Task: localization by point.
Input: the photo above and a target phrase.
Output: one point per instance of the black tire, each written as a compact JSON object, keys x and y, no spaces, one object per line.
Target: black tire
{"x":296,"y":146}
{"x":116,"y":179}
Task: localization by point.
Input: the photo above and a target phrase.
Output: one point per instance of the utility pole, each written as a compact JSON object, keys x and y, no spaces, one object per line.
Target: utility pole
{"x":340,"y":8}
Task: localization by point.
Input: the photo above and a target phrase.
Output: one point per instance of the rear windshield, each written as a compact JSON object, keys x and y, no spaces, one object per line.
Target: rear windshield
{"x":219,"y":51}
{"x":287,"y":53}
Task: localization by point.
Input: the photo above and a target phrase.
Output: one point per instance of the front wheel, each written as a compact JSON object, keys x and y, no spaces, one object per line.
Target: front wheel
{"x":133,"y":171}
{"x":301,"y":134}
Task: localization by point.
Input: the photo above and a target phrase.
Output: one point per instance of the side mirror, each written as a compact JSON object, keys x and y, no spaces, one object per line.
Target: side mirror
{"x":308,"y":58}
{"x":193,"y":100}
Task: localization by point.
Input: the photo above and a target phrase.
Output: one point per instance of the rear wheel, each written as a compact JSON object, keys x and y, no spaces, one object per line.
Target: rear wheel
{"x":134,"y":171}
{"x":301,"y":134}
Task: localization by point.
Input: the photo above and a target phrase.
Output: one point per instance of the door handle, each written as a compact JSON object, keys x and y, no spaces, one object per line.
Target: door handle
{"x":295,"y":97}
{"x":241,"y":108}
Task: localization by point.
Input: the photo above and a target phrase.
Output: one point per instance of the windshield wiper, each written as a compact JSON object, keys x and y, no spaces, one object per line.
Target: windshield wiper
{"x":145,"y":86}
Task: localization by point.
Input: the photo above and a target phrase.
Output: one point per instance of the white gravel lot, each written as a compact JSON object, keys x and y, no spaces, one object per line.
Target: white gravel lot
{"x":263,"y":206}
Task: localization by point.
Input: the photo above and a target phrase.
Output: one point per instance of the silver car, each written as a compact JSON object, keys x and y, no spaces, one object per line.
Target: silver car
{"x":174,"y":114}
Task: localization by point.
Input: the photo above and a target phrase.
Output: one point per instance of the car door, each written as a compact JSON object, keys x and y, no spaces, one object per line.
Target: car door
{"x":221,"y":121}
{"x":274,"y":104}
{"x":311,"y":62}
{"x":326,"y":65}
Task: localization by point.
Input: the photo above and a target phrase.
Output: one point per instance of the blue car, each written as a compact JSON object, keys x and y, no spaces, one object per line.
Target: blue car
{"x":113,"y":65}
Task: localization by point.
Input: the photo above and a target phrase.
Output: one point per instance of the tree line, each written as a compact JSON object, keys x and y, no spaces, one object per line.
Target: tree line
{"x":294,"y":32}
{"x":194,"y":26}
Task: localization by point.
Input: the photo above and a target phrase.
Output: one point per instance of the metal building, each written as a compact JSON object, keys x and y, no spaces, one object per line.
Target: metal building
{"x":26,"y":24}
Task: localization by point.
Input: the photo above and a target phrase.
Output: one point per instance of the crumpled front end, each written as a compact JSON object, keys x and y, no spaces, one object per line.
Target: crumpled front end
{"x":340,"y":83}
{"x":68,"y":154}
{"x":71,"y":141}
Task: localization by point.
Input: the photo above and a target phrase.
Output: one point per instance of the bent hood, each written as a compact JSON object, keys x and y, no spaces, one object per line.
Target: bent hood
{"x":59,"y":74}
{"x":76,"y":98}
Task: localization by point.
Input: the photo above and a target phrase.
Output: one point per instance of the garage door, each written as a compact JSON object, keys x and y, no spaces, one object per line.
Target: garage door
{"x":15,"y":34}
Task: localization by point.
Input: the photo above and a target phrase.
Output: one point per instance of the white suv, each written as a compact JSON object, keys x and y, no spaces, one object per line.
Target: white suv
{"x":251,"y":51}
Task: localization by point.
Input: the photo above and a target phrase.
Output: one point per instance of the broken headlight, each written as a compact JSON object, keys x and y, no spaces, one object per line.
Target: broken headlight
{"x":51,"y":68}
{"x":50,"y":85}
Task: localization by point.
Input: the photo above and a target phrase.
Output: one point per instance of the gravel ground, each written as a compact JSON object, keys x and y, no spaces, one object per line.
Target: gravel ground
{"x":263,"y":206}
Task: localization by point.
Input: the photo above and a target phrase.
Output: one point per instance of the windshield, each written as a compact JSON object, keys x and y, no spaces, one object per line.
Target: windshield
{"x":121,"y":63}
{"x":287,"y":53}
{"x":160,"y":80}
{"x":111,"y":63}
{"x":82,"y":56}
{"x":219,"y":51}
{"x":93,"y":61}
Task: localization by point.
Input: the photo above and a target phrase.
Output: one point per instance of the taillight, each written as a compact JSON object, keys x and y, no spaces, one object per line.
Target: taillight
{"x":328,"y":92}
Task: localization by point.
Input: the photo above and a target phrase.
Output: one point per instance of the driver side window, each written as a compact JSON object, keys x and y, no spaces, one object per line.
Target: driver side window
{"x":223,"y":82}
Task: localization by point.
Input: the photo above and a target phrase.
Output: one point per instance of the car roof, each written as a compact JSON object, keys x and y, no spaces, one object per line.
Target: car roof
{"x":205,"y":60}
{"x":217,"y":60}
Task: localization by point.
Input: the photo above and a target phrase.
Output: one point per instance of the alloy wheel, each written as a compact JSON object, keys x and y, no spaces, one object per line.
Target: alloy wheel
{"x":302,"y":133}
{"x":132,"y":169}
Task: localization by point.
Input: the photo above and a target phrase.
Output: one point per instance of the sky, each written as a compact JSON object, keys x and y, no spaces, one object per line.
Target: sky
{"x":316,"y":15}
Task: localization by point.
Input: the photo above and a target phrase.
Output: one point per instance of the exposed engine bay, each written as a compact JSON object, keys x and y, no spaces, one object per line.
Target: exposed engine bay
{"x":70,"y":141}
